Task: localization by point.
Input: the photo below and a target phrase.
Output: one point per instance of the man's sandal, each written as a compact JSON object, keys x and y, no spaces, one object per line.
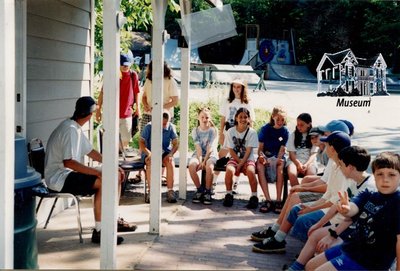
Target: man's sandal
{"x":267,"y":206}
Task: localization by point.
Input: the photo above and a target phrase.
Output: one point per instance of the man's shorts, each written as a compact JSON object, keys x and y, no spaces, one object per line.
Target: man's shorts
{"x":243,"y":170}
{"x":79,"y":184}
{"x":340,"y":260}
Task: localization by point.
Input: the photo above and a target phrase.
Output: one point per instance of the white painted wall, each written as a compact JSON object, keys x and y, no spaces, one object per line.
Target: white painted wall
{"x":59,"y":53}
{"x":59,"y":36}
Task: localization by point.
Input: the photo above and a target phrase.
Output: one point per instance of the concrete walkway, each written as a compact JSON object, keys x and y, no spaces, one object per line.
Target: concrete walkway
{"x":194,"y":236}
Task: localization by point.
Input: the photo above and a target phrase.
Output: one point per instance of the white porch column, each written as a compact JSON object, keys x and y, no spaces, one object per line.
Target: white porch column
{"x":110,"y":191}
{"x":7,"y":132}
{"x":158,"y":40}
{"x":186,"y":6}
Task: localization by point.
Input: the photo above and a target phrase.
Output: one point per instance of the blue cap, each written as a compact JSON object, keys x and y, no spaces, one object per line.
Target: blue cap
{"x":338,"y":139}
{"x":315,"y":131}
{"x":126,"y":59}
{"x":335,"y":125}
{"x":350,"y":126}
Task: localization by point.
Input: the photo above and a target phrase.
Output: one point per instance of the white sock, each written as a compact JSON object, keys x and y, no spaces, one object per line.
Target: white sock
{"x":275,"y":227}
{"x":97,"y":226}
{"x":254,"y":194}
{"x":229,"y":192}
{"x":280,"y":236}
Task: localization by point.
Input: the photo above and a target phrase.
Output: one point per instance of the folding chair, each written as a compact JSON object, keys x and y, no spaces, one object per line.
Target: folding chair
{"x":129,"y":166}
{"x":36,"y":158}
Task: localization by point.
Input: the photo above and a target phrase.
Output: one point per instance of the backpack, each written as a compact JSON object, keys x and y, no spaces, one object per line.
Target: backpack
{"x":36,"y":155}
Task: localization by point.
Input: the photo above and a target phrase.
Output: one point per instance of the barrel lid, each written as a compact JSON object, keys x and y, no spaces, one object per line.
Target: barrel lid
{"x":33,"y":178}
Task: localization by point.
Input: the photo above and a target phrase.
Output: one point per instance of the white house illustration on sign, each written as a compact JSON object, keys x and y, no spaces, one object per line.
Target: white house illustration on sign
{"x":344,"y":74}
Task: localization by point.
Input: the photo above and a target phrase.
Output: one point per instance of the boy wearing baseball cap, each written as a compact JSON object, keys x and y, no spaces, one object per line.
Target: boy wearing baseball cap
{"x":302,"y":216}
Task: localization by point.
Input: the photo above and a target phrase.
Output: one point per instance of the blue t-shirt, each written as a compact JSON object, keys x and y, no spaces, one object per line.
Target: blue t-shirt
{"x":273,"y":139}
{"x":168,"y":134}
{"x":373,"y":234}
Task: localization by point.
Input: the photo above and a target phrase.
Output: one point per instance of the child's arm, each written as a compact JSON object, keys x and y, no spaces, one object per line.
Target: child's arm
{"x":325,"y":219}
{"x":175,"y":146}
{"x":99,"y":106}
{"x":261,"y":156}
{"x":143,"y":148}
{"x":234,"y":155}
{"x":311,"y":159}
{"x":145,"y":104}
{"x":293,"y":158}
{"x":199,"y":153}
{"x":318,"y":205}
{"x":211,"y":145}
{"x":345,"y":207}
{"x":246,"y":155}
{"x":221,"y":131}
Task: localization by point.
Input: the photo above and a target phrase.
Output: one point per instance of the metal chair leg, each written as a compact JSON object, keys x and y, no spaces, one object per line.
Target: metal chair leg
{"x":78,"y":218}
{"x":51,"y":212}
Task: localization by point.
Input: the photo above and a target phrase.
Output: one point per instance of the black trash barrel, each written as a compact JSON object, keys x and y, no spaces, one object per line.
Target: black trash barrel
{"x":26,"y":178}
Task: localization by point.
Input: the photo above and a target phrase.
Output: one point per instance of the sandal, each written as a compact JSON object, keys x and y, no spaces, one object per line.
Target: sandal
{"x":135,"y":180}
{"x":267,"y":206}
{"x":278,"y":207}
{"x":163,"y":180}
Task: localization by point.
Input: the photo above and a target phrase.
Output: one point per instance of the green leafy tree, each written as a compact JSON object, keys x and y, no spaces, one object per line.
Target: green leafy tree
{"x":139,"y":17}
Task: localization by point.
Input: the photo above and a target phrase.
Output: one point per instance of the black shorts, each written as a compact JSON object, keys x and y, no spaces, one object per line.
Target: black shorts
{"x":79,"y":184}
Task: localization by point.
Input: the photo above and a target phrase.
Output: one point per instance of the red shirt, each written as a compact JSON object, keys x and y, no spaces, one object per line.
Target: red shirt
{"x":127,"y":90}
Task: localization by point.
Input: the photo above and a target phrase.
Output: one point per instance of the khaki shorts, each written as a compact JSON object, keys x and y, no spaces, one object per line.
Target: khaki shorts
{"x":125,"y":130}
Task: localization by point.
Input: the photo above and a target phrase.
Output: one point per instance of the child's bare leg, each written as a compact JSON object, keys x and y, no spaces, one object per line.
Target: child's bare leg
{"x":309,"y":178}
{"x":209,"y":174}
{"x":148,"y":172}
{"x":193,"y":173}
{"x":279,"y":181}
{"x":262,"y":180}
{"x":316,"y":262}
{"x":309,"y":248}
{"x":251,"y":174}
{"x":292,"y":173}
{"x":229,"y":172}
{"x":292,"y":200}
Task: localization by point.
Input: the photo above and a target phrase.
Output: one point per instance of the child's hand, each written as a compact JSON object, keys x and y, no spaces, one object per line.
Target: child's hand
{"x":262,"y":160}
{"x":305,"y":209}
{"x":238,"y":169}
{"x":295,"y":188}
{"x":325,"y":243}
{"x":343,"y":205}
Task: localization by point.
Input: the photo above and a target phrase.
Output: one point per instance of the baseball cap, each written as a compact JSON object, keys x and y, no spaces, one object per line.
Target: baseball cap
{"x":315,"y":131}
{"x":126,"y":59}
{"x":335,"y":125}
{"x":84,"y":106}
{"x":350,"y":126}
{"x":238,"y":81}
{"x":338,"y":139}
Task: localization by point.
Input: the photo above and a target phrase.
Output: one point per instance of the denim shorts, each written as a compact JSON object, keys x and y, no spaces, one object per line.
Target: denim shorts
{"x":302,"y":223}
{"x":340,"y":260}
